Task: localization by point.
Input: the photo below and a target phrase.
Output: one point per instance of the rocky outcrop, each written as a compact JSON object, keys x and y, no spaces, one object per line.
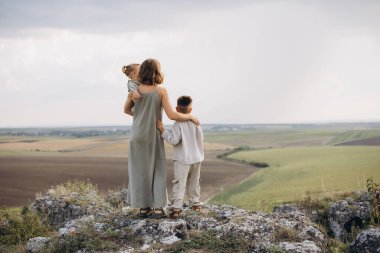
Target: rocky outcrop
{"x":286,"y":229}
{"x":343,"y":215}
{"x":87,"y":222}
{"x":368,"y":241}
{"x":58,"y":209}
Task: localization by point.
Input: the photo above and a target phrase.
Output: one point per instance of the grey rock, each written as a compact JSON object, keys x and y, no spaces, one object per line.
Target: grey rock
{"x":195,"y":222}
{"x":57,"y":210}
{"x":170,"y":232}
{"x":344,"y":214}
{"x":300,"y":247}
{"x":311,"y":232}
{"x":285,"y":209}
{"x":98,"y":226}
{"x":368,"y":241}
{"x":226,"y":211}
{"x":126,"y":210}
{"x":37,"y":244}
{"x":74,"y":226}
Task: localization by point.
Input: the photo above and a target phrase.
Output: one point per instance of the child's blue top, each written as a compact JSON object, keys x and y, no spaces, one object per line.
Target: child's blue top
{"x":132,"y":85}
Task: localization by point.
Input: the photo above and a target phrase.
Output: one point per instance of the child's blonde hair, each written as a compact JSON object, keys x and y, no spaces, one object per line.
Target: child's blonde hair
{"x":129,"y":68}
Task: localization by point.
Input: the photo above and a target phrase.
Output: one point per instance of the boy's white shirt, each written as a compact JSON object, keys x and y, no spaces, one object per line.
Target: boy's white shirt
{"x":187,"y":139}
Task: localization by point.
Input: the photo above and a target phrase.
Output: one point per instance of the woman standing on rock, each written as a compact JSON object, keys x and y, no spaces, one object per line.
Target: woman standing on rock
{"x":146,"y":156}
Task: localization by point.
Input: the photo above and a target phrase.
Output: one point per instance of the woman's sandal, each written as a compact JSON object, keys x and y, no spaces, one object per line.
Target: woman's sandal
{"x":158,"y":214}
{"x":196,"y":208}
{"x":146,"y":212}
{"x":175,"y":213}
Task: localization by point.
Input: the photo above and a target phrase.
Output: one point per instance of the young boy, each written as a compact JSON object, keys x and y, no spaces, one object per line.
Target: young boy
{"x":187,"y":139}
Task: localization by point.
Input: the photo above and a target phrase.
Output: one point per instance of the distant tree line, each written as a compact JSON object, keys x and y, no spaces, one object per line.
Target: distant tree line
{"x":78,"y":132}
{"x":225,"y":156}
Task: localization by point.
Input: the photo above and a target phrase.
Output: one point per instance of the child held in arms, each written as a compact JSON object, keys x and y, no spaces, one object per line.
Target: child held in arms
{"x":187,"y":139}
{"x":132,"y":72}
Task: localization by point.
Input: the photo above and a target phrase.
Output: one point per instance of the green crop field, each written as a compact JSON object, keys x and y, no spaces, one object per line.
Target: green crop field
{"x":285,"y":136}
{"x":295,"y":171}
{"x":357,"y":134}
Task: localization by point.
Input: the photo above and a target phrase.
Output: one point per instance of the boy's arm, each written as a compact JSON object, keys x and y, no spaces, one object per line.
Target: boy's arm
{"x":173,"y":137}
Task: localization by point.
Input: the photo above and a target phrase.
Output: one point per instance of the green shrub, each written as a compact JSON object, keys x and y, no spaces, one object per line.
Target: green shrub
{"x":275,"y":249}
{"x":259,"y":164}
{"x":335,"y":246}
{"x":374,"y":189}
{"x":17,"y":227}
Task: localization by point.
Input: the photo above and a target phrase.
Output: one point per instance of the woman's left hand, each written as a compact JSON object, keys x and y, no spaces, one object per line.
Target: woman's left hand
{"x":195,"y":120}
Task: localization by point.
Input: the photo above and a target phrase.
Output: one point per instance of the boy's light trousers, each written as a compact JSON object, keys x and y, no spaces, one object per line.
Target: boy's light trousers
{"x":186,"y":178}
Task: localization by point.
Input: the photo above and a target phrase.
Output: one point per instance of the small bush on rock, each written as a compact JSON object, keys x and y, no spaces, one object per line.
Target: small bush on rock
{"x":374,"y":189}
{"x":19,"y":226}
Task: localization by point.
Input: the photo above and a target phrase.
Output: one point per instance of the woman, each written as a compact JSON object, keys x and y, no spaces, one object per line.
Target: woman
{"x":146,"y":158}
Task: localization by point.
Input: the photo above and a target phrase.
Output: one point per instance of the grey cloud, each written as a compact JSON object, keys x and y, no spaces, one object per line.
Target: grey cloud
{"x":95,"y":16}
{"x":22,"y":17}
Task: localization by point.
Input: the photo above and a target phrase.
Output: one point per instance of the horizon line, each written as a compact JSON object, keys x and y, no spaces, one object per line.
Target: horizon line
{"x":226,"y":124}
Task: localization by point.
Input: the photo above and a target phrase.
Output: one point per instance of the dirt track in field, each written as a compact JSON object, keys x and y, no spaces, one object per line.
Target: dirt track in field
{"x":364,"y":142}
{"x":21,"y":177}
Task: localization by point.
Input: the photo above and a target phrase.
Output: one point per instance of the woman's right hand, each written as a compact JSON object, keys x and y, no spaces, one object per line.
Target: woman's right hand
{"x":195,"y":120}
{"x":136,"y":96}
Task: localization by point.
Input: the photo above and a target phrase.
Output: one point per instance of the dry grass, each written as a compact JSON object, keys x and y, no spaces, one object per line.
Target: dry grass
{"x":284,"y":234}
{"x":33,"y":144}
{"x":89,"y":147}
{"x":78,"y":186}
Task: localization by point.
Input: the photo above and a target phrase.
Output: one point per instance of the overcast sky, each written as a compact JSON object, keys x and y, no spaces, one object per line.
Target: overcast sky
{"x":241,"y":61}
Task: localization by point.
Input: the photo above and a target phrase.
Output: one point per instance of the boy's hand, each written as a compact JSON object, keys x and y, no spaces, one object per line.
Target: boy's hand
{"x":136,"y":96}
{"x":160,"y":126}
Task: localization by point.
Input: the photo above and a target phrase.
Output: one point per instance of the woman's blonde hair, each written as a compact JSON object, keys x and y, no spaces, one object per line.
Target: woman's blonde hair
{"x":150,"y":72}
{"x":129,"y":68}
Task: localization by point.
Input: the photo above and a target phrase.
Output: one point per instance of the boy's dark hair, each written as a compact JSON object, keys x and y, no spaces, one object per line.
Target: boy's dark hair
{"x":183,"y":103}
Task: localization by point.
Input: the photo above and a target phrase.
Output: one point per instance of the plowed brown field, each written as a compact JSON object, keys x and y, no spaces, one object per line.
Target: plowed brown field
{"x":22,"y":176}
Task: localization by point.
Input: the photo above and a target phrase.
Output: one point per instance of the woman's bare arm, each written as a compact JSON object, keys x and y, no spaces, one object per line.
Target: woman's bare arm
{"x":128,"y":105}
{"x":172,"y":114}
